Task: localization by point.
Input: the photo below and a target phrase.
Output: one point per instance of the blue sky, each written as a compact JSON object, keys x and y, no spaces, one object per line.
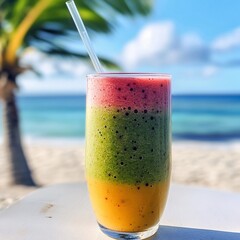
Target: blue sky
{"x":198,"y":42}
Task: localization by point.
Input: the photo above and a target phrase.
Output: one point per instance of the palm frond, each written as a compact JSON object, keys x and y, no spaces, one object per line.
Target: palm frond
{"x":120,"y":6}
{"x":142,"y":7}
{"x":27,"y":22}
{"x":126,"y":7}
{"x":92,"y":19}
{"x":53,"y":48}
{"x":18,"y":35}
{"x":19,"y":10}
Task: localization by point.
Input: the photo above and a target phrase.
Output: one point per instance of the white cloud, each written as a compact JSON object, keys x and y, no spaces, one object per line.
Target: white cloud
{"x":60,"y":75}
{"x":39,"y":61}
{"x":152,"y":43}
{"x":159,"y":43}
{"x":227,"y":41}
{"x":52,"y":66}
{"x":72,"y":67}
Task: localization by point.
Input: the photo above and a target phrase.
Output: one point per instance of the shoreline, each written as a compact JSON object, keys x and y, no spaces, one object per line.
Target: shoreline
{"x":28,"y":139}
{"x":213,"y":165}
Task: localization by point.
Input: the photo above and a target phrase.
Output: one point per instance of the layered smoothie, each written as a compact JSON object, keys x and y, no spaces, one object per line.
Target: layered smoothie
{"x":128,"y":149}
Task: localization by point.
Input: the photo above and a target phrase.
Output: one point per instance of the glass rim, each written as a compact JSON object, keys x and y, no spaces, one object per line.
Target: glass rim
{"x":123,"y":74}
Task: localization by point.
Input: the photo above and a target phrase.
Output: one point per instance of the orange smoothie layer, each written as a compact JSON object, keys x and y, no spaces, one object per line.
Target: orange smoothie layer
{"x":127,"y":207}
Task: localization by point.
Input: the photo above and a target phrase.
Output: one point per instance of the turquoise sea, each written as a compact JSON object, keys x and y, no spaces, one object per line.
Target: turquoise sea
{"x":194,"y":117}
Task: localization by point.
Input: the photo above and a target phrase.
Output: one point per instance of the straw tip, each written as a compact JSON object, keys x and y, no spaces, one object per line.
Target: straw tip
{"x":69,"y":1}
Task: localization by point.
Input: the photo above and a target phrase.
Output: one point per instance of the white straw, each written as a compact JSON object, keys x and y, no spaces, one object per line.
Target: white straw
{"x":84,"y":35}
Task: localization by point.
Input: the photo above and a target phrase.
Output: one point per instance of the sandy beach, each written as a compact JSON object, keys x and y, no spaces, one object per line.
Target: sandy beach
{"x":209,"y":164}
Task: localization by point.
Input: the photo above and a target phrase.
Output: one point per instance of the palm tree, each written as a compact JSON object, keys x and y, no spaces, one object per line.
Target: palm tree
{"x":41,"y":24}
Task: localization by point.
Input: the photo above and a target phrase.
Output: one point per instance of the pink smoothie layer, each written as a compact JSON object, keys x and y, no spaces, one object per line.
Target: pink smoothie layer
{"x":135,"y":92}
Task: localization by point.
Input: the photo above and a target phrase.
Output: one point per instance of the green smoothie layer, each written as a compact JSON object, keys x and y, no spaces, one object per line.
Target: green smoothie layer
{"x":127,"y":146}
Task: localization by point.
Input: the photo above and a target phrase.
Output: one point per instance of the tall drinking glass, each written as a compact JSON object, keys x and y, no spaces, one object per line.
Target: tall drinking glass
{"x":128,"y":151}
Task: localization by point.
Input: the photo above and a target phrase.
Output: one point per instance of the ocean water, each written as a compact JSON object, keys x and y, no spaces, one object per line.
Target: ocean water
{"x":206,"y":117}
{"x":196,"y":117}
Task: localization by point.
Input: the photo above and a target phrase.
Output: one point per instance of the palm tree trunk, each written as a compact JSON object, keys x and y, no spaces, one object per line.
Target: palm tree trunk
{"x":20,"y":171}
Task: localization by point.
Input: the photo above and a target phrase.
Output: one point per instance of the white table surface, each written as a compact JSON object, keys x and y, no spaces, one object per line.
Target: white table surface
{"x":63,"y":212}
